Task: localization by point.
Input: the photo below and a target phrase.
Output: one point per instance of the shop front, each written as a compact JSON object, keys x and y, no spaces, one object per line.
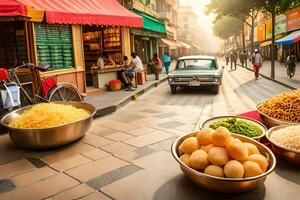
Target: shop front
{"x":58,"y":36}
{"x":146,"y":40}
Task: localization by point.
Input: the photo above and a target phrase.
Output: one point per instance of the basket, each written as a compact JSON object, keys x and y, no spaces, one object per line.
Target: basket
{"x":114,"y":85}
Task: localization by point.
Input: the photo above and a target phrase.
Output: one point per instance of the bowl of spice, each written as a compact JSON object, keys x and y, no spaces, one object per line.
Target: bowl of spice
{"x":238,"y":125}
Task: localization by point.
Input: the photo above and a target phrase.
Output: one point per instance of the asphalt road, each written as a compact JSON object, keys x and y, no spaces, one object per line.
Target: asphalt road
{"x":126,"y":155}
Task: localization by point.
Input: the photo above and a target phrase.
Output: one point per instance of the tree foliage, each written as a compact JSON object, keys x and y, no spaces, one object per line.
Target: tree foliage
{"x":227,"y":26}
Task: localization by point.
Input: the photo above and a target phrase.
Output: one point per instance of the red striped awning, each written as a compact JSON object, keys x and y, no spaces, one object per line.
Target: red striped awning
{"x":93,"y":12}
{"x":12,"y":8}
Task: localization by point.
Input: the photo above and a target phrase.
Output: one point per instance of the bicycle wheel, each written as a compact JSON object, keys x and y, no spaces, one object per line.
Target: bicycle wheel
{"x":292,"y":71}
{"x":65,"y":92}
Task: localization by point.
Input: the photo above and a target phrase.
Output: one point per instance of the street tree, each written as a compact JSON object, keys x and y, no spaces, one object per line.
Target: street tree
{"x":226,"y":27}
{"x":275,"y":7}
{"x":245,"y":10}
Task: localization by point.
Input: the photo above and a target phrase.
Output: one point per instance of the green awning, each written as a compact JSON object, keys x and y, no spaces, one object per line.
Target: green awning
{"x":151,"y":23}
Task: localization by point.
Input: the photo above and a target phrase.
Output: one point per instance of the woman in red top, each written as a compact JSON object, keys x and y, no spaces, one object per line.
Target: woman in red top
{"x":157,"y":65}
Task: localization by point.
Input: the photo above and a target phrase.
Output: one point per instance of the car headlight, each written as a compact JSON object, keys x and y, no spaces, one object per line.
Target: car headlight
{"x":216,"y":79}
{"x":170,"y":79}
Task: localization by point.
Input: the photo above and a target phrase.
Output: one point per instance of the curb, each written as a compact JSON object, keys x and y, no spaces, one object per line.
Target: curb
{"x":111,"y":109}
{"x":274,"y":80}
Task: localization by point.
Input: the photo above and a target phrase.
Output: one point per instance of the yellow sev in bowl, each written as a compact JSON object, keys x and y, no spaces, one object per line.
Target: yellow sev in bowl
{"x":47,"y":115}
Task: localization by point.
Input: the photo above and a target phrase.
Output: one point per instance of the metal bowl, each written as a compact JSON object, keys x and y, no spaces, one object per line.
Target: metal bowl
{"x":290,"y":155}
{"x":225,"y":185}
{"x":44,"y":138}
{"x":270,"y":121}
{"x":256,"y":123}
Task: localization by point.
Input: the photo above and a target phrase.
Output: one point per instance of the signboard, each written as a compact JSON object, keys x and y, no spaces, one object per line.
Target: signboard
{"x":293,"y":19}
{"x":268,"y":29}
{"x":280,"y":24}
{"x":261,"y":32}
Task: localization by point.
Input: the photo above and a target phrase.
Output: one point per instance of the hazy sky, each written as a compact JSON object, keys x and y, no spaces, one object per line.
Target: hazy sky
{"x":205,"y":21}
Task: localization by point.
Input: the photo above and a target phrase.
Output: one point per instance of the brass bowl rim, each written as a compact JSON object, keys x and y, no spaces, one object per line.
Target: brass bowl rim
{"x":50,"y":128}
{"x":276,"y":120}
{"x":271,"y":130}
{"x":270,"y":170}
{"x":241,"y":117}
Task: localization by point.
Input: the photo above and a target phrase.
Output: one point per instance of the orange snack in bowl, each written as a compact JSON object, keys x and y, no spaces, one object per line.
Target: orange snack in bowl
{"x":237,"y":150}
{"x":252,"y":149}
{"x":252,"y":169}
{"x":204,"y":136}
{"x":234,"y":169}
{"x":218,"y":156}
{"x":198,"y":160}
{"x":260,"y":160}
{"x":189,"y":145}
{"x":206,"y":148}
{"x":214,"y":170}
{"x":221,"y":136}
{"x":185,"y":158}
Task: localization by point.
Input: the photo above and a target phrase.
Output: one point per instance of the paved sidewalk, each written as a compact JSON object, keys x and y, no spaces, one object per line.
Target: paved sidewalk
{"x":280,"y":73}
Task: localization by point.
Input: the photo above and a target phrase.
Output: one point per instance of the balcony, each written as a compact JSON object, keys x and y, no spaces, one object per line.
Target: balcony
{"x":164,"y":15}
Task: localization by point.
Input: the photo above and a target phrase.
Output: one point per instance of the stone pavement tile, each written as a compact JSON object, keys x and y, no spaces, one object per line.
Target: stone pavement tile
{"x":9,"y":156}
{"x":148,"y":139}
{"x":185,"y":119}
{"x":96,"y":141}
{"x":144,"y":184}
{"x":118,"y":147}
{"x":96,"y":128}
{"x":36,"y":162}
{"x":166,"y":115}
{"x":119,"y":136}
{"x":164,"y":145}
{"x":126,"y":117}
{"x":41,"y":189}
{"x":175,"y":132}
{"x":69,"y":163}
{"x":186,"y":128}
{"x":141,"y":131}
{"x":140,"y":123}
{"x":66,"y":152}
{"x":96,"y":154}
{"x":106,"y":131}
{"x":6,"y":185}
{"x":113,"y":124}
{"x":96,"y":168}
{"x":135,"y":154}
{"x":150,"y":111}
{"x":33,"y":176}
{"x":76,"y":192}
{"x":96,"y":196}
{"x":15,"y":168}
{"x":112,"y":176}
{"x":171,"y":124}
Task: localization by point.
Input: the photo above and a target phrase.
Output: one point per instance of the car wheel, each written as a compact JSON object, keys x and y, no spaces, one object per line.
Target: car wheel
{"x":173,"y":89}
{"x":216,"y":89}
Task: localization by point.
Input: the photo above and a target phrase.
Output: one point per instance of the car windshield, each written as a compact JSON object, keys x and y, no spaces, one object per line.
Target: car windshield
{"x":196,"y":64}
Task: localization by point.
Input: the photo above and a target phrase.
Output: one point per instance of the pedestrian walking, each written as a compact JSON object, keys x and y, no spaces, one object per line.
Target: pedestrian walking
{"x":167,"y":62}
{"x":257,"y":62}
{"x":157,"y":65}
{"x":227,"y":58}
{"x":233,"y":59}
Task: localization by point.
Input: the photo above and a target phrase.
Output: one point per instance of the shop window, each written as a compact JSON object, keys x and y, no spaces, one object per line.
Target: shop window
{"x":54,"y":45}
{"x":13,"y":50}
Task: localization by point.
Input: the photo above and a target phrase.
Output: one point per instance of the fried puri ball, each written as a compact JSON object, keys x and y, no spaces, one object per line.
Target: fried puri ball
{"x":185,"y":158}
{"x":218,"y":156}
{"x":260,"y":160}
{"x":252,"y":169}
{"x":206,"y":148}
{"x":214,"y":170}
{"x":204,"y":136}
{"x":252,"y":149}
{"x":189,"y":145}
{"x":198,"y":160}
{"x":234,"y":169}
{"x":237,"y":150}
{"x":221,"y":136}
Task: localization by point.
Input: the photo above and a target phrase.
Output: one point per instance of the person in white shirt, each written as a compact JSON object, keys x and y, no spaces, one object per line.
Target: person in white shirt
{"x":135,"y":65}
{"x":257,"y":62}
{"x":104,"y":59}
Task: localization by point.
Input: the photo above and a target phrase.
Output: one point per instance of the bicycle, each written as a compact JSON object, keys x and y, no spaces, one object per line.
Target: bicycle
{"x":48,"y":89}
